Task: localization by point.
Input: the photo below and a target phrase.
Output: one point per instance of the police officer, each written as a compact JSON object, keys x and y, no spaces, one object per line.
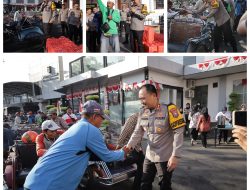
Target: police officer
{"x":138,"y":13}
{"x":164,"y":126}
{"x":47,"y":17}
{"x":222,"y":19}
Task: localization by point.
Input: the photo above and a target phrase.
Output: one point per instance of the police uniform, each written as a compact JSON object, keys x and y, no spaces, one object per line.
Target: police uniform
{"x":164,"y":127}
{"x":137,"y":26}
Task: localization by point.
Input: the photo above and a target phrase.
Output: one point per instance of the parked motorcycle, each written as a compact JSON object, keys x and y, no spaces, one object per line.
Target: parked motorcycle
{"x":201,"y":43}
{"x":23,"y":37}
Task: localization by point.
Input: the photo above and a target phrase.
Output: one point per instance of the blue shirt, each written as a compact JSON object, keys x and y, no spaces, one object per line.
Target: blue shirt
{"x":31,"y":119}
{"x":60,"y":167}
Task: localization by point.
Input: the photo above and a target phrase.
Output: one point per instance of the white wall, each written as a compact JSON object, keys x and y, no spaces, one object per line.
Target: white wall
{"x":135,"y":77}
{"x":217,"y":98}
{"x":131,"y":63}
{"x":164,"y":78}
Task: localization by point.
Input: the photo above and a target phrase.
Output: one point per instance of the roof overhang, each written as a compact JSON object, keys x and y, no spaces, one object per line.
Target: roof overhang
{"x":83,"y":81}
{"x":214,"y":68}
{"x":18,"y":88}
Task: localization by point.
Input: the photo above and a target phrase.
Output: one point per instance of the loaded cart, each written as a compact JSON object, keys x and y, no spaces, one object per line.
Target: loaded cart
{"x":22,"y":158}
{"x":111,"y":173}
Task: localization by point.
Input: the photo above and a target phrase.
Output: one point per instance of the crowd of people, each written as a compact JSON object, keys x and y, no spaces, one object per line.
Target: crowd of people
{"x":198,"y":121}
{"x":105,"y":26}
{"x":226,"y":14}
{"x":69,"y":19}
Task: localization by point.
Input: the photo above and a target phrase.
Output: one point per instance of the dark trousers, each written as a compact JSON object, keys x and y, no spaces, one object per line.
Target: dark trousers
{"x":91,"y":40}
{"x":204,"y":139}
{"x":149,"y":172}
{"x":186,"y":129}
{"x":139,"y":171}
{"x":236,"y":22}
{"x":47,"y":29}
{"x":73,"y":33}
{"x":122,"y":26}
{"x":65,"y":29}
{"x":226,"y":32}
{"x":225,"y":134}
{"x":136,"y":40}
{"x":79,"y":34}
{"x":194,"y":134}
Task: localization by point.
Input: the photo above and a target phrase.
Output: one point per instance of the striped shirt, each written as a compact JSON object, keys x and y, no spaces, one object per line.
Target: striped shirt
{"x":128,"y":130}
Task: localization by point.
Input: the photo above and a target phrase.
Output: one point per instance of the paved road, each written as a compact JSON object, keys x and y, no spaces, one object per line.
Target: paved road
{"x":220,"y":168}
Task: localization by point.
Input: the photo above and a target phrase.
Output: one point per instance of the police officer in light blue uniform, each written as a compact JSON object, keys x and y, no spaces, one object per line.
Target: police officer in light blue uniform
{"x":64,"y":164}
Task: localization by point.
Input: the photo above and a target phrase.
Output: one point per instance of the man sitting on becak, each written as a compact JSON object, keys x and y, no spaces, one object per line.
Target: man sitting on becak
{"x":48,"y":136}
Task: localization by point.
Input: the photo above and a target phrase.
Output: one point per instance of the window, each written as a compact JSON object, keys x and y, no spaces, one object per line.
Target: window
{"x":132,"y":103}
{"x":31,"y":1}
{"x":200,"y":95}
{"x":240,"y":87}
{"x":113,"y":60}
{"x":38,"y":90}
{"x":92,"y":63}
{"x":115,"y":107}
{"x":171,"y":95}
{"x":19,"y":1}
{"x":76,"y":68}
{"x":159,"y":4}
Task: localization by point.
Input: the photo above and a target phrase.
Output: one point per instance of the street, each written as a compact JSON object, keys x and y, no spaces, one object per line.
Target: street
{"x":220,"y":168}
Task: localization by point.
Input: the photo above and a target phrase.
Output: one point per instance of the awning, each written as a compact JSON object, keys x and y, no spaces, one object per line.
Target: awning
{"x":84,"y":81}
{"x":216,"y":67}
{"x":18,"y":88}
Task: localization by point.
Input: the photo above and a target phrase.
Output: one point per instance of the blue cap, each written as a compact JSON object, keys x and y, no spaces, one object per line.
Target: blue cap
{"x":93,"y":107}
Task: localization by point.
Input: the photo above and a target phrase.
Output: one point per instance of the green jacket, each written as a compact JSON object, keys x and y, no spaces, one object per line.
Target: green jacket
{"x":115,"y":17}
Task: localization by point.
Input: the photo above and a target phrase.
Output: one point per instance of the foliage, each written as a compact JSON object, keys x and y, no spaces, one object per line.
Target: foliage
{"x":92,"y":97}
{"x":48,"y":107}
{"x":233,"y":104}
{"x":63,"y":109}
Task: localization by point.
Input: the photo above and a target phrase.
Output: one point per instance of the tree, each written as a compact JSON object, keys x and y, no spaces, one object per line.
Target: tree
{"x":233,"y":104}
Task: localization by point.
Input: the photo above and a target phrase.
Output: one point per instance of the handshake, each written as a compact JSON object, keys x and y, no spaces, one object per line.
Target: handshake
{"x":126,"y":150}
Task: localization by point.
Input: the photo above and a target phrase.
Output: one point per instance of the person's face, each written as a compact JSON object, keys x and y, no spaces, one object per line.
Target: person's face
{"x":124,"y":7}
{"x":98,"y":119}
{"x":88,"y":11}
{"x":76,"y":6}
{"x":137,"y":2}
{"x":187,"y":105}
{"x":69,"y":111}
{"x":243,"y":108}
{"x":110,"y":5}
{"x":21,"y":113}
{"x":63,"y":6}
{"x":51,"y":134}
{"x":53,"y":116}
{"x":94,"y":10}
{"x":148,"y":100}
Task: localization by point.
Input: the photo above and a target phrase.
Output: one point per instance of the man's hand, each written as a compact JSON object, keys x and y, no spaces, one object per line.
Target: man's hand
{"x":133,"y":10}
{"x":118,"y":147}
{"x":172,"y":163}
{"x":110,"y":17}
{"x":240,"y":133}
{"x":126,"y":150}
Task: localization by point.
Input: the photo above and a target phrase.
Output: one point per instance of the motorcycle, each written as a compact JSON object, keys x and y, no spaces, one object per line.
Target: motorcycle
{"x":202,"y":43}
{"x":23,"y":37}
